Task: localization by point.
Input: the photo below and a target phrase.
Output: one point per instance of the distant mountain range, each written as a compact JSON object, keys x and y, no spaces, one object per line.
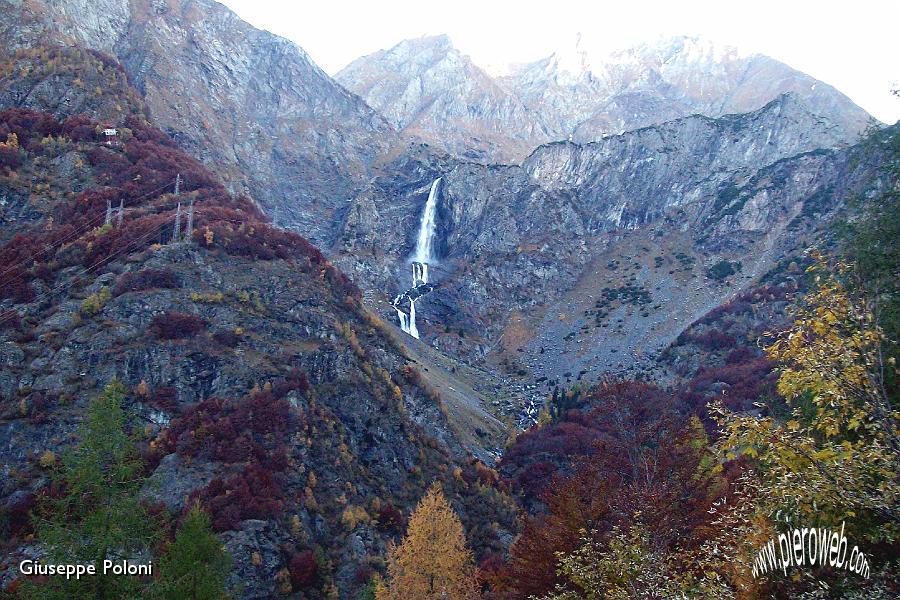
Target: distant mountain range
{"x":427,"y":88}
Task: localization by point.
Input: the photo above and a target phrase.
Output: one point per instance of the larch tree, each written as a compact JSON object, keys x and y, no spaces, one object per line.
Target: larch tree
{"x":98,"y":515}
{"x":433,"y":561}
{"x":195,"y":566}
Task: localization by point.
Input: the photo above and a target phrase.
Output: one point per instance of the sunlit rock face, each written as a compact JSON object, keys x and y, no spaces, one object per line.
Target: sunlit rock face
{"x":586,"y":95}
{"x":426,"y":87}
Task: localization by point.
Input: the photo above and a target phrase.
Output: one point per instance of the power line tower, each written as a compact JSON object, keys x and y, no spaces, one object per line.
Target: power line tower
{"x":188,"y":235}
{"x":177,"y":233}
{"x":120,"y":213}
{"x":108,"y":212}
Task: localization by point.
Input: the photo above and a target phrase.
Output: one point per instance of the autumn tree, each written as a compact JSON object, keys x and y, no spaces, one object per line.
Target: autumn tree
{"x":648,"y":468}
{"x":627,"y":567}
{"x":837,"y":456}
{"x":432,"y":562}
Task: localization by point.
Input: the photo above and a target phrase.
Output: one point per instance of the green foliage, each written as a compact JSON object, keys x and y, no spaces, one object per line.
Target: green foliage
{"x":726,"y":200}
{"x":208,"y":298}
{"x":723,"y":270}
{"x":686,"y":261}
{"x":626,"y":294}
{"x":629,"y":567}
{"x":195,"y":565}
{"x":94,"y":303}
{"x":836,"y":458}
{"x":871,"y":245}
{"x":98,"y":516}
{"x":367,"y":593}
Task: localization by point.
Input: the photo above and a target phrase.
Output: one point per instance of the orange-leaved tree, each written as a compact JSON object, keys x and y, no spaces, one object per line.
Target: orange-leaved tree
{"x":433,"y":561}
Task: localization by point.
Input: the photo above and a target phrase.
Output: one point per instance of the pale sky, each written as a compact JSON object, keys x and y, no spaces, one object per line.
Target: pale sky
{"x":853,"y":46}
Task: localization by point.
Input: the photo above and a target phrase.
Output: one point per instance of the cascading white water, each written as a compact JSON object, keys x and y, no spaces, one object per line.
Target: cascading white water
{"x":425,"y":242}
{"x":422,"y":256}
{"x":413,"y":330}
{"x":419,"y":273}
{"x":408,"y":321}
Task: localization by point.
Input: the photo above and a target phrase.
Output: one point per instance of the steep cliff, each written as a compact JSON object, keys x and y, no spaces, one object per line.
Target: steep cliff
{"x":591,"y":258}
{"x":250,"y":103}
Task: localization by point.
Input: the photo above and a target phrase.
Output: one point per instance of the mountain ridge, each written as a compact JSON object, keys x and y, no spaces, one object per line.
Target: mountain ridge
{"x":584,"y":98}
{"x":419,"y":107}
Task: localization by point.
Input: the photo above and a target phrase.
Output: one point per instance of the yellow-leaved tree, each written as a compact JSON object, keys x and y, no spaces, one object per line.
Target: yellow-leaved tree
{"x":836,"y":456}
{"x":432,"y":562}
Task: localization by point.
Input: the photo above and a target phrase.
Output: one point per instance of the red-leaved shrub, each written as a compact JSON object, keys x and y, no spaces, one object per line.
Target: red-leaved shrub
{"x":176,"y":325}
{"x":254,"y":493}
{"x":303,"y":568}
{"x":146,"y":279}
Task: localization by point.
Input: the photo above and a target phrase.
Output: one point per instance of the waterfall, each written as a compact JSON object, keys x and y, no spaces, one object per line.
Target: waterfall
{"x":407,"y":321}
{"x":413,"y":330}
{"x":422,"y":256}
{"x":425,"y":243}
{"x":419,"y":273}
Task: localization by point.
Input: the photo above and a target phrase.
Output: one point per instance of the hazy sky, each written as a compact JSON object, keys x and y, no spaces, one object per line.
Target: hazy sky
{"x":851,"y":45}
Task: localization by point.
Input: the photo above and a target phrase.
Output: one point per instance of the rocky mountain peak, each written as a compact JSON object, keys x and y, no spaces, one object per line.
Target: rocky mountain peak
{"x":587,"y":94}
{"x":582,"y":55}
{"x":436,"y":43}
{"x":683,"y":48}
{"x":579,"y":92}
{"x":429,"y":89}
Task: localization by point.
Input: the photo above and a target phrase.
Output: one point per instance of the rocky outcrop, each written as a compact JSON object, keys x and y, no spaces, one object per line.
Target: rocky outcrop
{"x":249,"y":102}
{"x":425,"y":87}
{"x":533,"y":258}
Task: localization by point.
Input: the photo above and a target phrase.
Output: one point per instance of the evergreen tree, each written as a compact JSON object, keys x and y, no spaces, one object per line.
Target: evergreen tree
{"x":432,"y":562}
{"x":98,"y":515}
{"x":195,"y":566}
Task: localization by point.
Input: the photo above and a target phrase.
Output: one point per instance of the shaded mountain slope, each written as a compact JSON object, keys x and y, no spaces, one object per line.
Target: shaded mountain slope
{"x":248,"y":102}
{"x":257,"y":382}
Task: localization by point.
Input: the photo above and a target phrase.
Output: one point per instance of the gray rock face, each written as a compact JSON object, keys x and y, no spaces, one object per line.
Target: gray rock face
{"x":527,"y":250}
{"x":587,"y":97}
{"x":232,"y":95}
{"x":427,"y":88}
{"x":631,"y":179}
